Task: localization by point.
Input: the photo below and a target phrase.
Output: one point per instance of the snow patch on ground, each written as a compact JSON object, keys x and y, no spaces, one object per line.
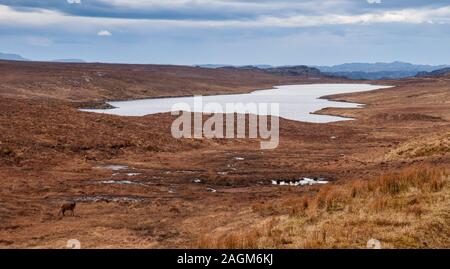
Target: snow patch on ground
{"x":108,"y":198}
{"x":117,"y":182}
{"x":301,"y":182}
{"x":114,"y":167}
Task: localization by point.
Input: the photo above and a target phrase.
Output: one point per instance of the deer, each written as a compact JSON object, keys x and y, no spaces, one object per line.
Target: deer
{"x":70,"y":206}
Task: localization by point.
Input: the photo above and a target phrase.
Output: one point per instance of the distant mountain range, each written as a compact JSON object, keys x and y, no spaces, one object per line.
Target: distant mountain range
{"x":378,"y":70}
{"x":12,"y":57}
{"x":378,"y":67}
{"x":69,"y":61}
{"x":392,"y":70}
{"x":295,"y":71}
{"x":260,"y":66}
{"x":17,"y":57}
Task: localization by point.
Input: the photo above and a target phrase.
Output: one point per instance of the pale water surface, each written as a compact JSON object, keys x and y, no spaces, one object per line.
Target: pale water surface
{"x":296,"y":102}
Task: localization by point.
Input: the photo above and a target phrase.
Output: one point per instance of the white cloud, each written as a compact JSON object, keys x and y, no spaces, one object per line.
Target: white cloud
{"x":74,"y":1}
{"x":104,"y":33}
{"x":374,"y":1}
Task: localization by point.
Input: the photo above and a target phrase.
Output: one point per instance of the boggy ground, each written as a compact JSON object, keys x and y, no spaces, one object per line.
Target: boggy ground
{"x":50,"y":153}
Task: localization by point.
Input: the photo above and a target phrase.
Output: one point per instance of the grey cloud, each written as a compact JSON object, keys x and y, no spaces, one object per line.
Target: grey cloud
{"x":215,"y":9}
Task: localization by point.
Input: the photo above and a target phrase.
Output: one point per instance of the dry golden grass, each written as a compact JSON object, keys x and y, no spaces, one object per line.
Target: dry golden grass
{"x":422,"y":147}
{"x":406,"y":209}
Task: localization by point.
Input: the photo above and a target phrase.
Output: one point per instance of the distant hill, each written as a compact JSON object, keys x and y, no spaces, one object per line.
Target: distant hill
{"x":12,"y":57}
{"x":69,"y":61}
{"x":299,"y":70}
{"x":374,"y":75}
{"x":17,"y":57}
{"x":261,"y":66}
{"x":292,"y":71}
{"x":392,"y":70}
{"x":101,"y":81}
{"x":435,"y":73}
{"x":378,"y":67}
{"x":211,"y":65}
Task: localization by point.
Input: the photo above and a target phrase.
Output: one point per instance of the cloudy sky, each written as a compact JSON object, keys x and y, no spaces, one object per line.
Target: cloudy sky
{"x":280,"y":32}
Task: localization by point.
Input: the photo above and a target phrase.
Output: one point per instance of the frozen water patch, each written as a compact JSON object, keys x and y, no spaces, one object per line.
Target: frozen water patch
{"x":301,"y":182}
{"x":108,"y":198}
{"x":116,"y":182}
{"x":120,"y":182}
{"x":171,"y":190}
{"x":126,"y":174}
{"x":114,"y":167}
{"x":133,"y":174}
{"x":187,"y":171}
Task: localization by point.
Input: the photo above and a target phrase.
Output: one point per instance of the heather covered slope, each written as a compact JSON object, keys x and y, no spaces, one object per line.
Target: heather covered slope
{"x":98,"y":82}
{"x":50,"y":153}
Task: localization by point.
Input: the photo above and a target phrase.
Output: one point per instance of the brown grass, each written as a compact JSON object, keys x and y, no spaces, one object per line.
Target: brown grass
{"x":425,"y":179}
{"x":405,"y":209}
{"x":244,"y":240}
{"x":422,"y":147}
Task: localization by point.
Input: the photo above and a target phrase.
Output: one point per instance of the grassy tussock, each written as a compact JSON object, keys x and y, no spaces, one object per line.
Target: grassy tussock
{"x":405,"y":209}
{"x":244,"y":240}
{"x":422,"y":147}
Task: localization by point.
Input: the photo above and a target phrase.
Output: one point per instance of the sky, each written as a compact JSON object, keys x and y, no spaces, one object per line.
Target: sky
{"x":238,"y":32}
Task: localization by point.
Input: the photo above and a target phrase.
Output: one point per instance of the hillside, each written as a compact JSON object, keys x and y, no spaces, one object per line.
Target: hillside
{"x":436,"y":73}
{"x":136,"y":186}
{"x":83,"y":82}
